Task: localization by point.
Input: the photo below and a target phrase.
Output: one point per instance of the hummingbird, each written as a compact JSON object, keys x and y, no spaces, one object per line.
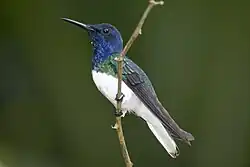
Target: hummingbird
{"x":138,"y":94}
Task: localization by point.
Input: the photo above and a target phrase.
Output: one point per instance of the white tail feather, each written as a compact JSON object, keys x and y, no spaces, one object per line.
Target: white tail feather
{"x":107,"y":84}
{"x":158,"y":130}
{"x":164,"y":138}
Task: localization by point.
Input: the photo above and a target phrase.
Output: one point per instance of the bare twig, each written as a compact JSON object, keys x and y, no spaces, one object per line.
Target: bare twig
{"x":118,"y":125}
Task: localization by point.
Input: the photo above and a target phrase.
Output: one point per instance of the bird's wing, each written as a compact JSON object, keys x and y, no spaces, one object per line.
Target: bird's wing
{"x":137,"y":80}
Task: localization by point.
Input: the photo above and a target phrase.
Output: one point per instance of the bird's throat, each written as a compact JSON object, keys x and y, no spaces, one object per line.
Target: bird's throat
{"x":106,"y":64}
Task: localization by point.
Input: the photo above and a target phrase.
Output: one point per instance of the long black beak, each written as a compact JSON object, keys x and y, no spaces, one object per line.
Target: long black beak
{"x":84,"y":26}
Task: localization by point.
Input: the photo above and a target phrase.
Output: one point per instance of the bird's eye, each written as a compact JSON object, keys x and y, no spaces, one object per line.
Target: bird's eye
{"x":105,"y":31}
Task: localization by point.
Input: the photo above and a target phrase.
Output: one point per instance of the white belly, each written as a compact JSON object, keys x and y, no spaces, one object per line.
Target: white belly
{"x":107,"y":85}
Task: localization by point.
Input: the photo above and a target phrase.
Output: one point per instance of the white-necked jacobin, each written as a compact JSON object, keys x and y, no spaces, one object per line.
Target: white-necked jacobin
{"x":139,"y":95}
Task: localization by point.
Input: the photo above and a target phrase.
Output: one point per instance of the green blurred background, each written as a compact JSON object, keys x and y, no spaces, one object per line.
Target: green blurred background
{"x":197,"y":54}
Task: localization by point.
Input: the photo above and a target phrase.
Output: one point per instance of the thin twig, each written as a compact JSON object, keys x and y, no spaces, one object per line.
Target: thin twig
{"x":138,"y":29}
{"x":118,"y":125}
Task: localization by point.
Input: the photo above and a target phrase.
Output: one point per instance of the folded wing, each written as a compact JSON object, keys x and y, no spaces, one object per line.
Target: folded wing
{"x":137,"y":80}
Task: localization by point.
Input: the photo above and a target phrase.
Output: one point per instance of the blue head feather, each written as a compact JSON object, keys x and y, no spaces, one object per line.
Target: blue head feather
{"x":106,"y":40}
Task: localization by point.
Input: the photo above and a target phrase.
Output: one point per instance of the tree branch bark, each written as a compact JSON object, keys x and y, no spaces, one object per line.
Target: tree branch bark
{"x":136,"y":33}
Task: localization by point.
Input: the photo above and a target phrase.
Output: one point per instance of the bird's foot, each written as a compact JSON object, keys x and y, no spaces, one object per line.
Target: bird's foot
{"x":119,"y":99}
{"x":123,"y":113}
{"x":114,"y":126}
{"x":119,"y":114}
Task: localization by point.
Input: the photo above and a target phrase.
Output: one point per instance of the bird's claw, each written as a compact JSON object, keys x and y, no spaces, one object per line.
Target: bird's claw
{"x":119,"y":99}
{"x":114,"y":126}
{"x":118,"y":114}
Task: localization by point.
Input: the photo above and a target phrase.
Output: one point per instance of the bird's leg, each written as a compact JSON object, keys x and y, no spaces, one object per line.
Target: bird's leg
{"x":119,"y":99}
{"x":118,"y":114}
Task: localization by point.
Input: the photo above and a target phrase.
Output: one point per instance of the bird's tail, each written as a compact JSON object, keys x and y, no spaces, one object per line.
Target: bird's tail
{"x":173,"y":129}
{"x":164,"y":138}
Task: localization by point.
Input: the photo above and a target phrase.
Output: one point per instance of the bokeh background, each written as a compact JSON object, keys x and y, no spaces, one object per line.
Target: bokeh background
{"x":197,"y":54}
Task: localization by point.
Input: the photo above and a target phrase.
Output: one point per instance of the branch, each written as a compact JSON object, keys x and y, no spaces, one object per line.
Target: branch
{"x":118,"y":125}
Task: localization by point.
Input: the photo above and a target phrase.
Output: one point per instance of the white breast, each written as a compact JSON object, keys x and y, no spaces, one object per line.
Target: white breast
{"x":107,"y":85}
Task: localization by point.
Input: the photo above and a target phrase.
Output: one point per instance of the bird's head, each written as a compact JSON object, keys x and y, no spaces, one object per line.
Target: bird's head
{"x":105,"y":38}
